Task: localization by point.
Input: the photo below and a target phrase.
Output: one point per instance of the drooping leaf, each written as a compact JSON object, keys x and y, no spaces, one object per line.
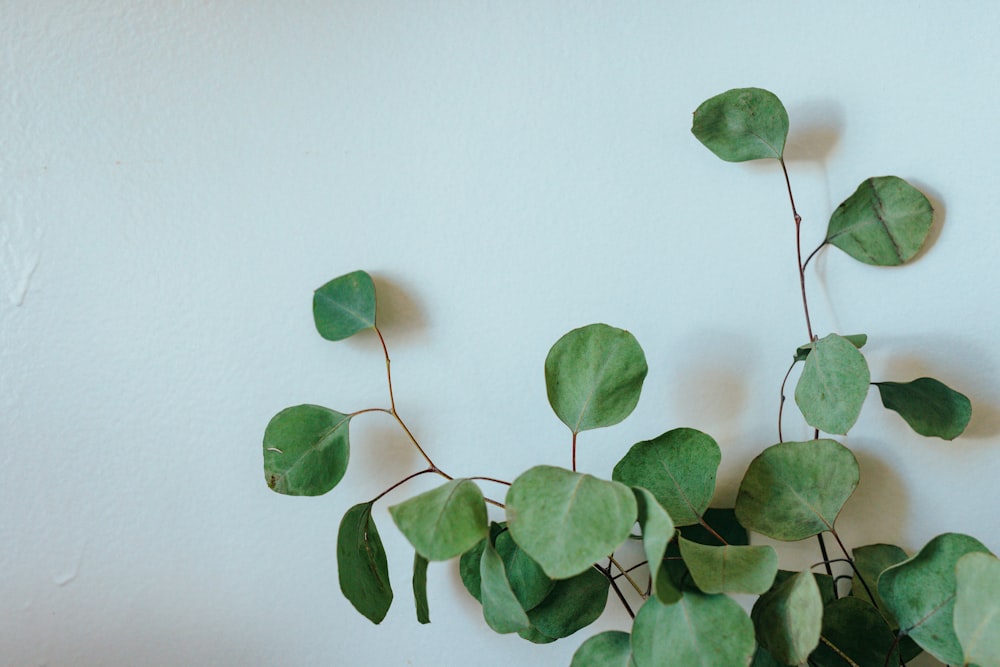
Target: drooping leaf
{"x":444,"y":522}
{"x":885,"y":222}
{"x":730,"y":569}
{"x":566,"y":521}
{"x":420,"y":588}
{"x":742,"y":124}
{"x":607,"y":649}
{"x":573,"y":604}
{"x":857,"y":340}
{"x":468,"y":564}
{"x":501,"y":608}
{"x":594,"y":375}
{"x":833,"y":385}
{"x":977,"y":608}
{"x":344,"y":306}
{"x":920,"y":593}
{"x":724,"y":524}
{"x":306,"y":450}
{"x":794,"y":490}
{"x":678,"y":467}
{"x":869,"y":562}
{"x":527,"y":578}
{"x":854,"y":629}
{"x":930,"y":407}
{"x":697,"y":631}
{"x":361,"y":564}
{"x":657,"y":531}
{"x":788,"y":619}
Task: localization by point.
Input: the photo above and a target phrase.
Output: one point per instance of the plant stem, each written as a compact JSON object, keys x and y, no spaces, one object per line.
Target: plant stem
{"x":624,"y":573}
{"x":618,"y":591}
{"x":574,"y":451}
{"x":781,"y":405}
{"x":401,"y":483}
{"x":704,"y":524}
{"x":798,"y":248}
{"x":854,"y":567}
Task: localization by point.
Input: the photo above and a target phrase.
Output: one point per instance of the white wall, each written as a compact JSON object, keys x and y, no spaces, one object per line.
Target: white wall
{"x":177,"y":177}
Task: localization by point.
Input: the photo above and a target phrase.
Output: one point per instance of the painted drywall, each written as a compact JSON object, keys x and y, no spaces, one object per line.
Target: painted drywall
{"x":177,"y":177}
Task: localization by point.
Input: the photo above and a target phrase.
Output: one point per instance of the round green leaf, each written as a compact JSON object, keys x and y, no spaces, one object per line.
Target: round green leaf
{"x":723,"y":522}
{"x":789,"y":617}
{"x":730,"y":569}
{"x":527,"y":578}
{"x":607,"y":649}
{"x":593,"y":376}
{"x":501,"y":609}
{"x":833,"y":385}
{"x":930,"y":407}
{"x":794,"y":490}
{"x":698,"y":631}
{"x":742,"y":124}
{"x":657,"y":531}
{"x":920,"y":593}
{"x":853,"y":628}
{"x":306,"y":449}
{"x":443,"y":522}
{"x":573,"y":604}
{"x":344,"y":306}
{"x":566,"y":521}
{"x":361,"y":564}
{"x":869,"y":563}
{"x":977,"y":608}
{"x":885,"y":222}
{"x":678,"y":467}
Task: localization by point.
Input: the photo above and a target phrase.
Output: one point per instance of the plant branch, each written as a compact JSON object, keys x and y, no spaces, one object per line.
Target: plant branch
{"x":574,"y":451}
{"x":704,"y":524}
{"x":854,"y":567}
{"x":624,"y":573}
{"x":798,"y":248}
{"x":614,"y":586}
{"x":402,"y":482}
{"x":781,"y":404}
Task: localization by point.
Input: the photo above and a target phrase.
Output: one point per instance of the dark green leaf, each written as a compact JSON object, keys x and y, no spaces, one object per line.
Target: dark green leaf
{"x":443,"y":522}
{"x":468,"y":570}
{"x":566,"y":521}
{"x":607,"y":649}
{"x":857,"y":340}
{"x":527,"y":578}
{"x":306,"y":449}
{"x":344,"y":306}
{"x":742,"y":124}
{"x":977,"y":608}
{"x":593,"y":376}
{"x":361,"y":564}
{"x":788,"y":619}
{"x":699,"y":630}
{"x":869,"y":562}
{"x":833,"y":385}
{"x":573,"y":604}
{"x":730,"y":569}
{"x":794,"y":490}
{"x":501,"y":608}
{"x":678,"y":467}
{"x":535,"y":637}
{"x":928,"y":406}
{"x":885,"y":222}
{"x":853,"y":628}
{"x":657,"y":531}
{"x":420,"y":588}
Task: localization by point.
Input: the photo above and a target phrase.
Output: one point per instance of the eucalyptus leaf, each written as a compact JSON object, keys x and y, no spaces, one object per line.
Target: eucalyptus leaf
{"x":594,"y":375}
{"x":420,"y":588}
{"x":930,"y":407}
{"x":657,"y":531}
{"x":501,"y":609}
{"x":977,"y":608}
{"x":698,"y":631}
{"x":885,"y":222}
{"x":344,"y":306}
{"x":573,"y":604}
{"x":730,"y":569}
{"x":869,"y":563}
{"x":857,"y":340}
{"x":742,"y":124}
{"x":854,"y":629}
{"x":920,"y":593}
{"x":566,"y":521}
{"x":361,"y":564}
{"x":833,"y":385}
{"x":306,"y":450}
{"x":678,"y":467}
{"x":533,"y":635}
{"x":794,"y":490}
{"x":612,"y":648}
{"x":789,"y":617}
{"x":723,"y":523}
{"x":444,"y":522}
{"x":527,"y":578}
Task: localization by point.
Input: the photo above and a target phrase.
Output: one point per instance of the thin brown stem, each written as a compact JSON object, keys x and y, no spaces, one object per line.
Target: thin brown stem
{"x":711,"y":530}
{"x":812,"y":254}
{"x":781,"y":405}
{"x":854,"y":567}
{"x":401,"y":483}
{"x":624,"y":573}
{"x":798,"y":248}
{"x":617,"y":590}
{"x":574,"y":451}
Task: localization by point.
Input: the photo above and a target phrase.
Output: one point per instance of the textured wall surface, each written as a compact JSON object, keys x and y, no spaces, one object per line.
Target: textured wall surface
{"x":177,"y":177}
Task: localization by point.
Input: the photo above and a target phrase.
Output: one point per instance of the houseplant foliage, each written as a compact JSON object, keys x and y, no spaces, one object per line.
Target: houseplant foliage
{"x":544,"y":561}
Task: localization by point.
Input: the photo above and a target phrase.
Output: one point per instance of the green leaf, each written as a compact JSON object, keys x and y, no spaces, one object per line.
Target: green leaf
{"x":593,"y":376}
{"x":344,"y":306}
{"x":678,"y":467}
{"x":306,"y":449}
{"x":885,"y":222}
{"x":443,"y":522}
{"x":657,"y":531}
{"x":722,"y":521}
{"x":977,"y":608}
{"x":535,"y":637}
{"x":794,"y":490}
{"x":869,"y":563}
{"x":420,"y":588}
{"x":573,"y":604}
{"x":698,"y":631}
{"x":361,"y":564}
{"x":930,"y":407}
{"x":789,"y":617}
{"x":833,"y":385}
{"x":742,"y":124}
{"x":501,"y":608}
{"x":607,"y":649}
{"x":853,"y":628}
{"x":920,"y":593}
{"x":730,"y":569}
{"x":857,"y":340}
{"x":468,"y":565}
{"x":527,"y":578}
{"x":565,"y":520}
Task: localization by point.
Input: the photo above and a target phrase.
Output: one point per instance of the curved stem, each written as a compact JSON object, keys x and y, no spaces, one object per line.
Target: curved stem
{"x":401,"y":483}
{"x":813,"y":254}
{"x":781,"y":405}
{"x":798,"y":248}
{"x":491,"y":479}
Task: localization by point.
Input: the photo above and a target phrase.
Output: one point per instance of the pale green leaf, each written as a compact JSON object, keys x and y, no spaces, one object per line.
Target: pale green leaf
{"x":657,"y":531}
{"x":730,"y":569}
{"x":607,"y":649}
{"x":420,"y":588}
{"x":789,"y":617}
{"x":723,"y":524}
{"x":977,"y":608}
{"x":742,"y":124}
{"x":930,"y":407}
{"x":444,"y":522}
{"x":885,"y":222}
{"x":361,"y":564}
{"x":501,"y":609}
{"x":344,"y":306}
{"x":833,"y":385}
{"x":857,"y":340}
{"x":573,"y":604}
{"x":853,"y":628}
{"x":306,"y":450}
